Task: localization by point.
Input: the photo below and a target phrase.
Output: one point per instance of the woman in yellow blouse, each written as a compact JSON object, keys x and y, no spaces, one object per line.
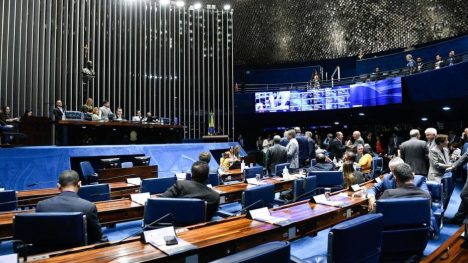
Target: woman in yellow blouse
{"x":366,"y":160}
{"x":225,"y":161}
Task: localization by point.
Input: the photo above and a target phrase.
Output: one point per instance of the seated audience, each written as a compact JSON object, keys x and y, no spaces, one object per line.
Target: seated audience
{"x":69,"y":201}
{"x":452,"y":59}
{"x":420,"y":66}
{"x":405,"y":184}
{"x":137,"y":116}
{"x":388,"y":182}
{"x":439,"y":62}
{"x":5,"y":116}
{"x":196,"y":188}
{"x":411,"y":64}
{"x":276,"y":154}
{"x":351,"y":176}
{"x":105,"y":110}
{"x":95,"y":115}
{"x":27,"y":113}
{"x":119,"y":115}
{"x":365,"y":162}
{"x":439,"y":158}
{"x":322,"y":164}
{"x":149,"y":117}
{"x":88,"y":106}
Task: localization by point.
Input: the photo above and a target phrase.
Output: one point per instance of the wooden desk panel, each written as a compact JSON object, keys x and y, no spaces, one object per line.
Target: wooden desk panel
{"x":451,"y":251}
{"x":122,"y":174}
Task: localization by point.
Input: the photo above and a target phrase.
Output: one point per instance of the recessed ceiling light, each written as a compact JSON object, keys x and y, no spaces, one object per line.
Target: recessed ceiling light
{"x":446,"y":108}
{"x":337,"y":123}
{"x":362,"y":114}
{"x":424,"y":119}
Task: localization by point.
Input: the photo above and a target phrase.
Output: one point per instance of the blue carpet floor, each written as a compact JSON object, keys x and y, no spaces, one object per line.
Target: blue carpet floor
{"x":302,"y":248}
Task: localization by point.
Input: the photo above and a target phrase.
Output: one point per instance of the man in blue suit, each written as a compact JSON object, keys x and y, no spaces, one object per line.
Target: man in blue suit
{"x":303,"y":147}
{"x":389,"y":182}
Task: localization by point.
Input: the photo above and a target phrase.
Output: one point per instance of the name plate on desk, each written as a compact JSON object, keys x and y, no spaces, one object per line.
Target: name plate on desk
{"x":263,"y":215}
{"x":254,"y":181}
{"x":159,"y":239}
{"x":140,"y":198}
{"x":321,"y":199}
{"x":134,"y":181}
{"x":355,"y":187}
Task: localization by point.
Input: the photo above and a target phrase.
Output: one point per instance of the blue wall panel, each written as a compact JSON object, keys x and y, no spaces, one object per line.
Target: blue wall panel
{"x":27,"y":165}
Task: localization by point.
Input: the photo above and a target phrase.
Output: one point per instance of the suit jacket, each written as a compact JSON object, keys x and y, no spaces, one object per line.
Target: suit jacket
{"x":303,"y":147}
{"x":293,"y":153}
{"x":407,"y":190}
{"x":194,"y":189}
{"x":284,"y":141}
{"x":337,"y":149}
{"x":58,"y":114}
{"x":322,"y":167}
{"x":71,"y":202}
{"x":439,"y":161}
{"x":414,"y":153}
{"x":311,"y":148}
{"x":389,"y":182}
{"x":277,"y":154}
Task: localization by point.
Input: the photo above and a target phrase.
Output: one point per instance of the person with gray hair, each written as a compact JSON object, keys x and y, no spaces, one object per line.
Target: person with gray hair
{"x":414,"y":152}
{"x":389,"y":182}
{"x":405,"y":184}
{"x":430,"y":133}
{"x":303,"y":147}
{"x":277,"y":154}
{"x":311,"y":142}
{"x":292,"y":150}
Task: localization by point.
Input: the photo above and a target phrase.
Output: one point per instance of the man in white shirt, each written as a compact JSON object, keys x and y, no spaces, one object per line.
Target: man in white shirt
{"x":105,"y":110}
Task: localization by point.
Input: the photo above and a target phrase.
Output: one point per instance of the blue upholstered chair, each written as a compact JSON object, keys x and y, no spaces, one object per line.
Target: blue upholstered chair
{"x":157,"y":185}
{"x":376,"y":167}
{"x":342,"y":245}
{"x":48,"y":232}
{"x":252,"y":172}
{"x":9,"y":200}
{"x":89,"y":175}
{"x":253,"y":198}
{"x":304,"y":188}
{"x":331,"y":179}
{"x":279,"y":169}
{"x":184,"y":211}
{"x":95,"y":192}
{"x":406,"y":227}
{"x":126,"y":165}
{"x":213,"y":179}
{"x":437,"y":196}
{"x":277,"y":251}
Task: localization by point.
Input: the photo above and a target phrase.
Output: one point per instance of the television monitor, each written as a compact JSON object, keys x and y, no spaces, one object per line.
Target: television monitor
{"x":141,"y":160}
{"x":110,"y":163}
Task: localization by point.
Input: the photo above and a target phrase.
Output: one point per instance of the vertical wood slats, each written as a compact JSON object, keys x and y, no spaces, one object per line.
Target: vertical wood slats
{"x":173,"y":61}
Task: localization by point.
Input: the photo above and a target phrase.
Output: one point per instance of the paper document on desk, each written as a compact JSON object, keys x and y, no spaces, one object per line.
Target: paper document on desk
{"x":156,"y":239}
{"x":321,"y":199}
{"x":254,"y":181}
{"x":140,"y":198}
{"x":263,"y":215}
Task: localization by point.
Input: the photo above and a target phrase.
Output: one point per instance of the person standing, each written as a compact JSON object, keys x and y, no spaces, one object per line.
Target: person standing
{"x":439,"y":158}
{"x":414,"y":152}
{"x":292,"y":150}
{"x":104,"y":110}
{"x":337,"y":148}
{"x":276,"y":154}
{"x":58,"y":111}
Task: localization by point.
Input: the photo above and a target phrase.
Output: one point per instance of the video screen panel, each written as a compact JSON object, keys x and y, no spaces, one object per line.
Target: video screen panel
{"x":371,"y":93}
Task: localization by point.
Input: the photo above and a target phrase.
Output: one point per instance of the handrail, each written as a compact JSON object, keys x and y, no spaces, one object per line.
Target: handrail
{"x":337,"y":70}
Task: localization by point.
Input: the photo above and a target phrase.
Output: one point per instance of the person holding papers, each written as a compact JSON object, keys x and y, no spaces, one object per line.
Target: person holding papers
{"x":196,"y":188}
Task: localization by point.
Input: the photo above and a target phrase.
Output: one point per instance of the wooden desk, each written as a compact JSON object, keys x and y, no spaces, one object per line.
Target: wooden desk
{"x":232,"y":175}
{"x":32,"y":197}
{"x":122,"y":174}
{"x":217,"y":239}
{"x":233,"y":192}
{"x":450,"y":251}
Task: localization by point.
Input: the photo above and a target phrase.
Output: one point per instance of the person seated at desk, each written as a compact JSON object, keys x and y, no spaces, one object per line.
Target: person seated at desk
{"x":225,"y":161}
{"x":5,"y":116}
{"x":88,"y":106}
{"x":322,"y":164}
{"x":404,"y":179}
{"x":149,"y":117}
{"x":138,"y":116}
{"x":119,"y":115}
{"x":95,"y":115}
{"x":27,"y":113}
{"x":350,"y":156}
{"x":58,"y":111}
{"x":350,"y":175}
{"x":366,"y":160}
{"x":196,"y":188}
{"x":105,"y":110}
{"x":69,"y":201}
{"x":389,"y":182}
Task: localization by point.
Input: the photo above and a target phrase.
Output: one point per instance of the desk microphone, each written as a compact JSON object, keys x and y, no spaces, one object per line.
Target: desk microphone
{"x":38,"y":183}
{"x":301,"y":196}
{"x":136,"y":233}
{"x":247,"y":208}
{"x":119,"y":176}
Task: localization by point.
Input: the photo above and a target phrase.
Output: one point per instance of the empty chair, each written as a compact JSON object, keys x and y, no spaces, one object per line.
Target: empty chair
{"x":406,"y":227}
{"x":331,"y":179}
{"x":157,"y":185}
{"x":89,"y":175}
{"x":8,"y":200}
{"x":184,"y":211}
{"x":277,"y":251}
{"x":126,"y":165}
{"x":95,"y":192}
{"x":376,"y":167}
{"x":252,"y":198}
{"x":252,"y":172}
{"x":342,"y":245}
{"x":142,"y":160}
{"x":304,"y":188}
{"x":279,"y":169}
{"x":213,"y":179}
{"x":44,"y":232}
{"x":436,"y":190}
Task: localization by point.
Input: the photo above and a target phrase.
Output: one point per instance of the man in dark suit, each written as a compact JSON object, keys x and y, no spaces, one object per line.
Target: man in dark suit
{"x":322,"y":164}
{"x":58,"y":111}
{"x":336,"y":146}
{"x":393,"y":144}
{"x":284,"y":141}
{"x":277,"y":154}
{"x":414,"y":152}
{"x":462,"y":212}
{"x":196,"y":188}
{"x":303,"y":147}
{"x":69,"y":201}
{"x":406,"y":188}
